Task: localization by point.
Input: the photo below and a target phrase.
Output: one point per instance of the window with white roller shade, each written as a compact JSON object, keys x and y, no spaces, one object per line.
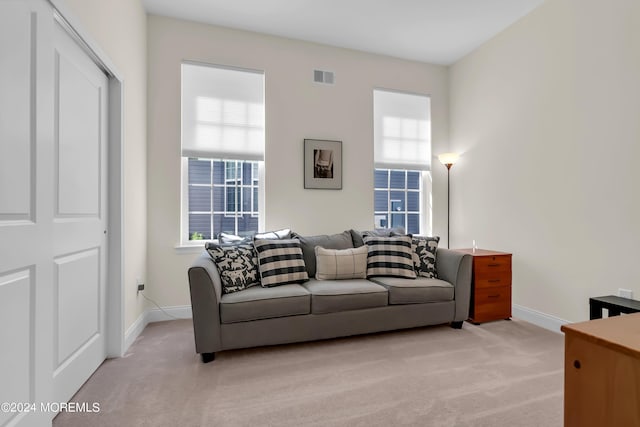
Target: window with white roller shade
{"x":222,"y":113}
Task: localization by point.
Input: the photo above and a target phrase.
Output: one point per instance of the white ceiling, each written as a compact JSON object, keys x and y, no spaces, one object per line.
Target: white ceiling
{"x":435,"y":31}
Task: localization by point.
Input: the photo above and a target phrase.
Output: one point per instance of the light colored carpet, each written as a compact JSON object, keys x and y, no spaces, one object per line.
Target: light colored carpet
{"x":505,"y":373}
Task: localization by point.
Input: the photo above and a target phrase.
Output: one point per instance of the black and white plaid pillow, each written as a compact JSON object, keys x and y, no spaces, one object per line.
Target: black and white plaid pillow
{"x":390,"y":256}
{"x":424,"y":256}
{"x":237,"y":265}
{"x":280,"y":262}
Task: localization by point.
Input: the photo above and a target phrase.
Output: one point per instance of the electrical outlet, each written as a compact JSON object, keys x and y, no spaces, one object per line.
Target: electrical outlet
{"x":140,"y":285}
{"x":625,"y":293}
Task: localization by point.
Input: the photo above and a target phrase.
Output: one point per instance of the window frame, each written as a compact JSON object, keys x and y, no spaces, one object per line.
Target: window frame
{"x":232,"y":183}
{"x":424,"y":215}
{"x":184,"y":222}
{"x":423,"y":167}
{"x":248,"y":123}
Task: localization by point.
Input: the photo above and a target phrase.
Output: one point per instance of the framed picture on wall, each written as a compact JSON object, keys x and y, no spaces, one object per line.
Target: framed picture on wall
{"x":323,"y":164}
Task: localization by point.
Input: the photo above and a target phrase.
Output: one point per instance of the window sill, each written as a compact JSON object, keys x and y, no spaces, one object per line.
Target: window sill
{"x":189,"y":249}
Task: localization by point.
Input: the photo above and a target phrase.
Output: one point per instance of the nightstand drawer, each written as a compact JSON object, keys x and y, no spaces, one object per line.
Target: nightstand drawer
{"x":492,"y":264}
{"x":492,"y":279}
{"x":492,"y":304}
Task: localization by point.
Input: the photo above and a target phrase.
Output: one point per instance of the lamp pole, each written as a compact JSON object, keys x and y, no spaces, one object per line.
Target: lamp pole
{"x":448,"y":165}
{"x":448,"y":159}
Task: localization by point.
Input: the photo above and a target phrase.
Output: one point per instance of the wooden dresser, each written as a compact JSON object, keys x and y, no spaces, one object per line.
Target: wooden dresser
{"x":490,"y":286}
{"x":602,"y":372}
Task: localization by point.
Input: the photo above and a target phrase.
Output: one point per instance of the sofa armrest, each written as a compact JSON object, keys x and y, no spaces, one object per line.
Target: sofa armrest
{"x":206,"y":291}
{"x":455,"y":268}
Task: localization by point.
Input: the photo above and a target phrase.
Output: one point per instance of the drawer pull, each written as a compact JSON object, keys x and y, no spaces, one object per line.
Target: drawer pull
{"x":494,"y":296}
{"x":576,"y":364}
{"x":494,"y":280}
{"x":493,"y":265}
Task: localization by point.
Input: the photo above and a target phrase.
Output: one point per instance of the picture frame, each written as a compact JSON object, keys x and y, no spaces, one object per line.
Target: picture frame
{"x":322,"y":164}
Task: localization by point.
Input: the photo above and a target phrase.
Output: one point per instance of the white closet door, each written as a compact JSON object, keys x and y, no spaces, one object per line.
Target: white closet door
{"x":26,"y":214}
{"x":79,"y":216}
{"x":53,"y":204}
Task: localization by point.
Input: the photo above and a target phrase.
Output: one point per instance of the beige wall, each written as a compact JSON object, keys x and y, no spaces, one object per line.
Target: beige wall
{"x":296,"y":108}
{"x":547,"y":117}
{"x":119,"y":27}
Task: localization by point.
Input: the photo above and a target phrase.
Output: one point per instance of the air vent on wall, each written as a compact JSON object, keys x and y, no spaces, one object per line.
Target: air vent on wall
{"x":326,"y":77}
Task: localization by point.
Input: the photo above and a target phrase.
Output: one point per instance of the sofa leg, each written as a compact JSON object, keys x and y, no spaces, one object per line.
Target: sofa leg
{"x":457,"y":325}
{"x":207,"y":357}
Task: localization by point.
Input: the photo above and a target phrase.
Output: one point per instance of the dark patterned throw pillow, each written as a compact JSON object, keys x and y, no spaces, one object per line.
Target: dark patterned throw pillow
{"x":424,"y":256}
{"x":280,"y":262}
{"x":237,"y":265}
{"x":390,"y":256}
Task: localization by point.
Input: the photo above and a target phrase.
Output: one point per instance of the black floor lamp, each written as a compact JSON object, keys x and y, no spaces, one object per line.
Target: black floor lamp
{"x":448,"y":159}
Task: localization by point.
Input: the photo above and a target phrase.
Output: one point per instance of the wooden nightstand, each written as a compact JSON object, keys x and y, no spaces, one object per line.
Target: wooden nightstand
{"x":490,"y":285}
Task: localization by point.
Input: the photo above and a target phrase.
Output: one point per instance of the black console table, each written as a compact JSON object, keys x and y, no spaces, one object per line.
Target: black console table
{"x":615,"y":305}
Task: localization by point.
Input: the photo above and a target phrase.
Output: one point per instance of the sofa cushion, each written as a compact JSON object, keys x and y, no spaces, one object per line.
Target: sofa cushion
{"x":280,"y":262}
{"x":340,"y":264}
{"x":390,"y":256}
{"x":237,"y":265}
{"x":416,"y":291}
{"x":264,"y":303}
{"x":424,"y":255}
{"x":309,"y":243}
{"x":330,"y":296}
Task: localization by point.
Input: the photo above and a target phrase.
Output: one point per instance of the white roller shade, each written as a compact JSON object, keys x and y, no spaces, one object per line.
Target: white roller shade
{"x":402,"y":130}
{"x":222,"y":113}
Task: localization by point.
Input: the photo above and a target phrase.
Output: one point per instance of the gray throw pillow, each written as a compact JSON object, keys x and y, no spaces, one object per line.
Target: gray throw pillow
{"x":358,"y":236}
{"x":424,"y":255}
{"x":237,"y":265}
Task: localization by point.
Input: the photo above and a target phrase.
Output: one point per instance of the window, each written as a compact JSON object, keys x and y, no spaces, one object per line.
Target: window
{"x":397,"y":199}
{"x":402,"y":155}
{"x":217,"y":203}
{"x":222,"y":151}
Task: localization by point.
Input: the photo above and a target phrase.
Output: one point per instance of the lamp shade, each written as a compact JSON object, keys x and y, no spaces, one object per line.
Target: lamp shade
{"x":448,"y":158}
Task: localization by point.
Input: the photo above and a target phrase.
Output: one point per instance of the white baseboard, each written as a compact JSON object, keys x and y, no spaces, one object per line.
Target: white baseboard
{"x":152,"y":315}
{"x":168,"y":313}
{"x":134,"y":330}
{"x":538,"y":318}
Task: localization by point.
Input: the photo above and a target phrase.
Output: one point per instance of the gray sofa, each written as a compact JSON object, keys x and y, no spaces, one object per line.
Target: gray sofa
{"x":322,"y":309}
